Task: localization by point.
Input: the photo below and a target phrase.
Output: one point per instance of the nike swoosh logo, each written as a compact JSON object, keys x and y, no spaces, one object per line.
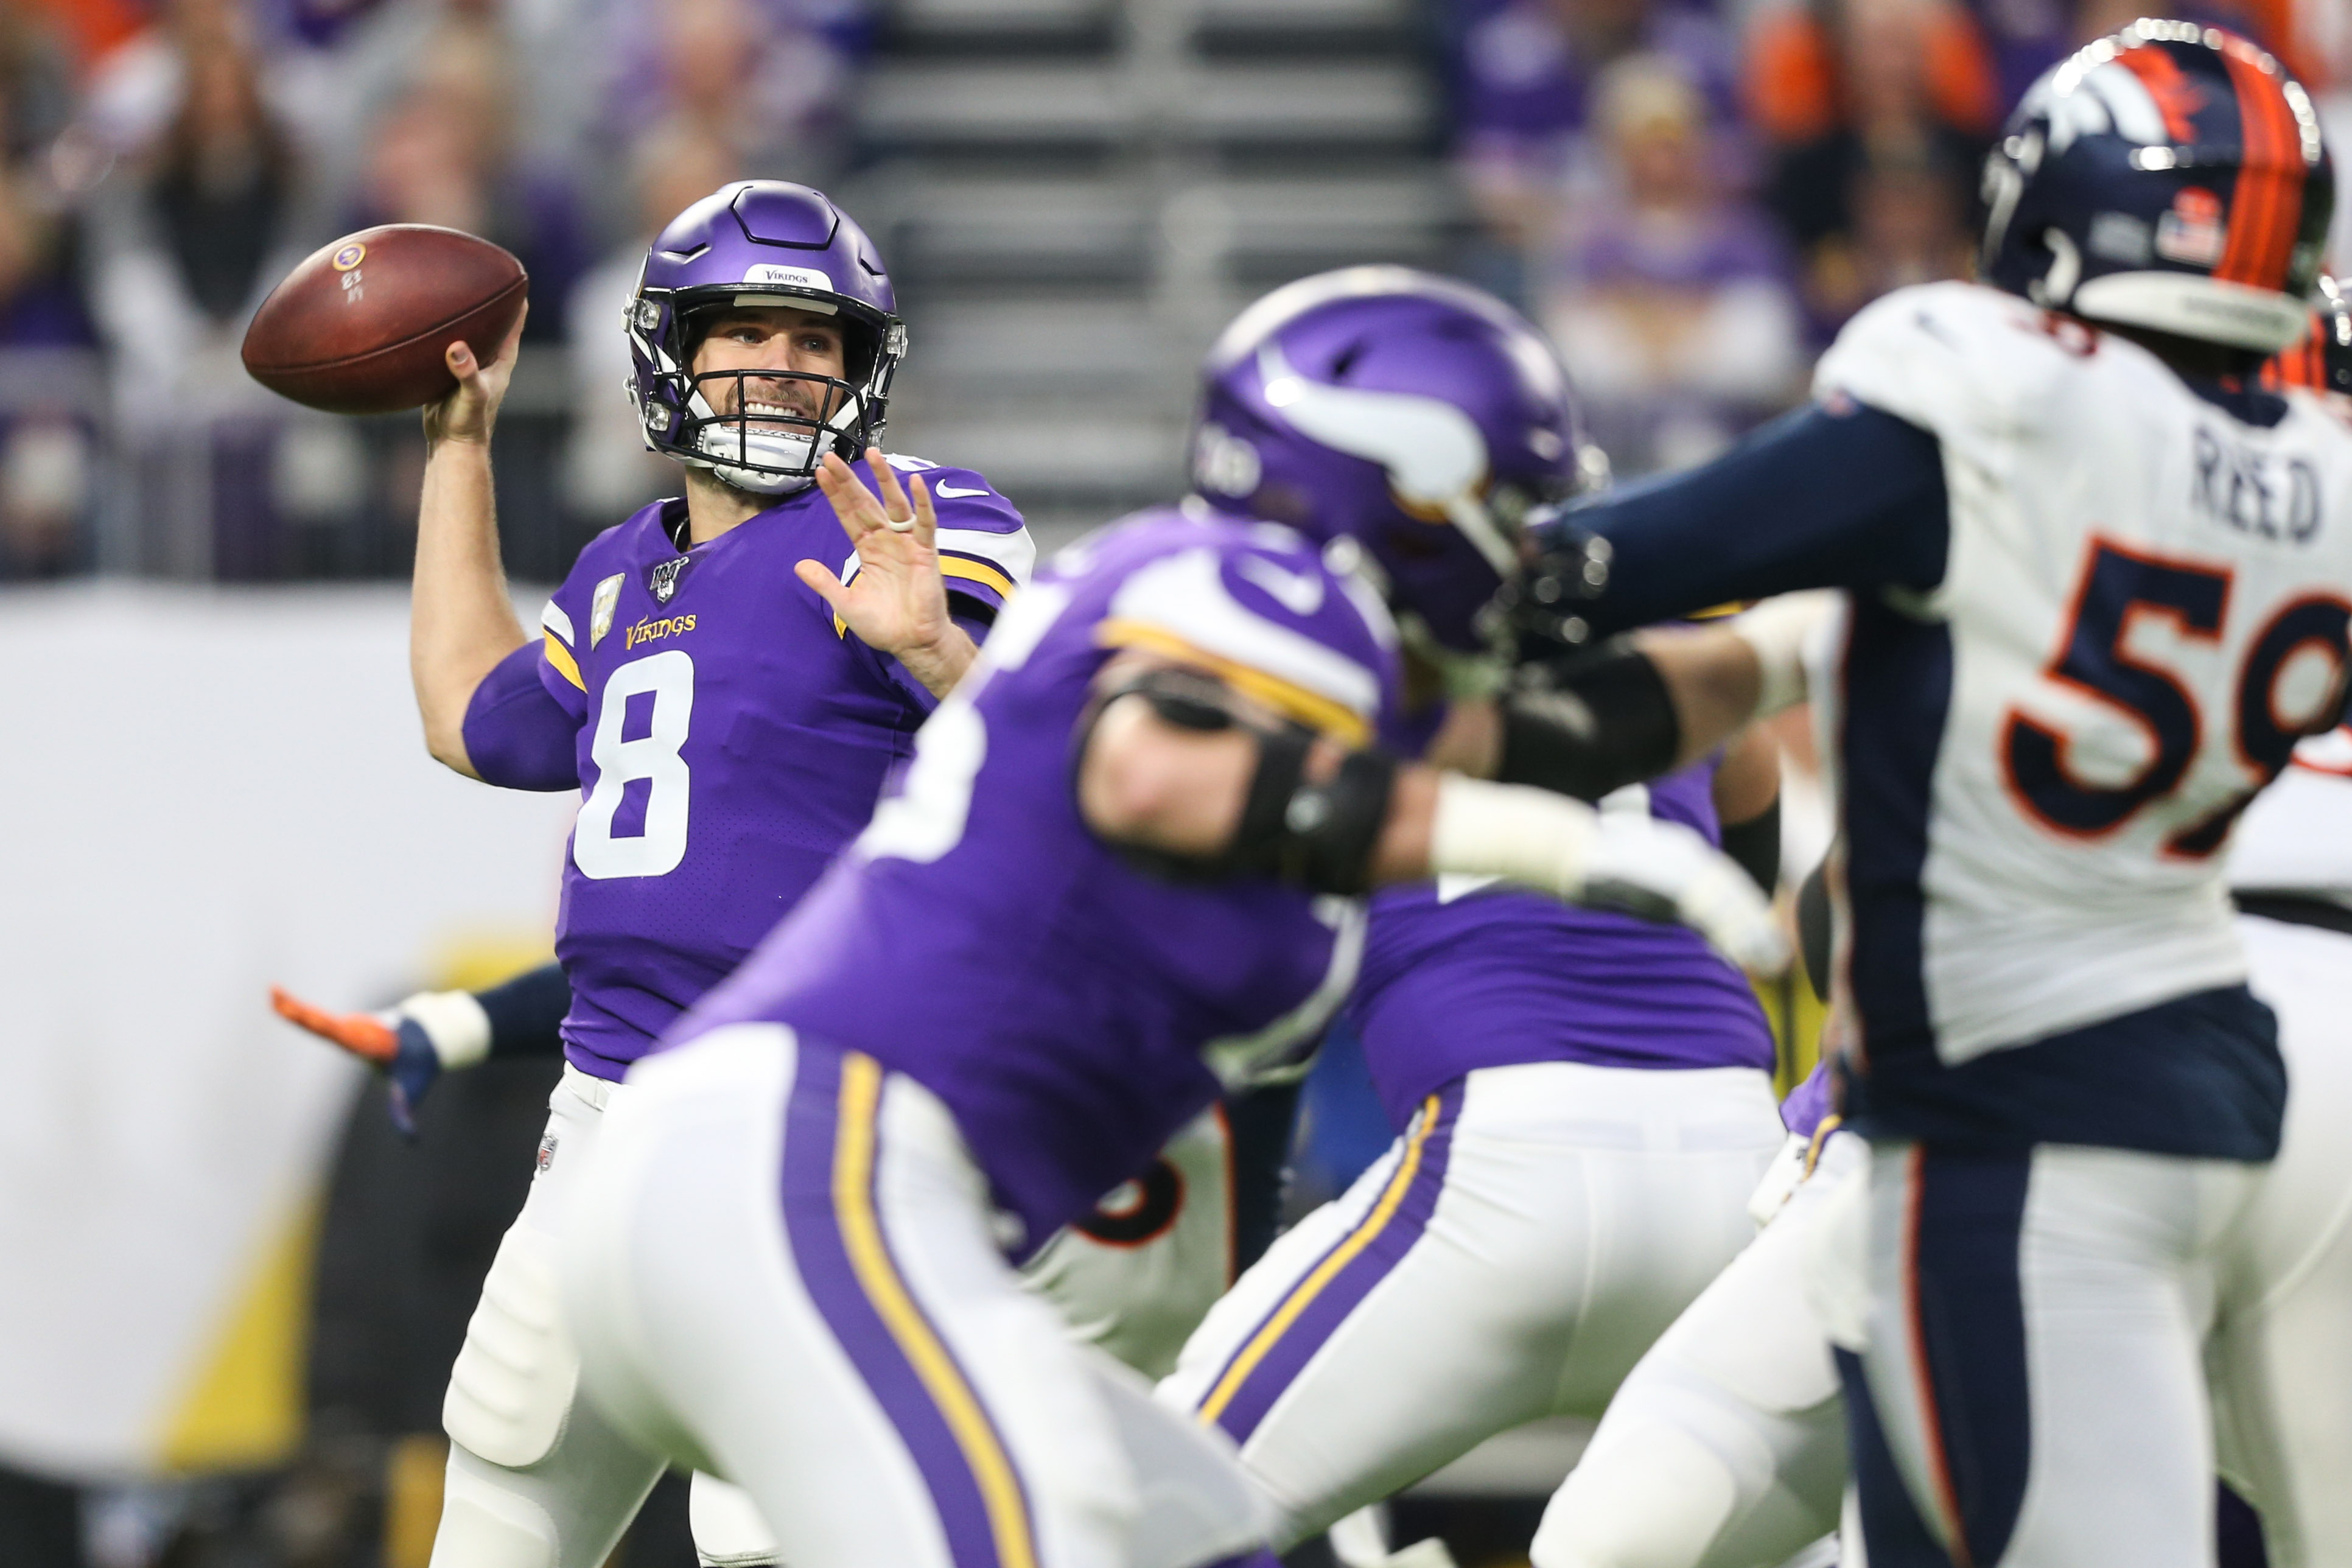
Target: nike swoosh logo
{"x":957,"y":492}
{"x":1300,"y":592}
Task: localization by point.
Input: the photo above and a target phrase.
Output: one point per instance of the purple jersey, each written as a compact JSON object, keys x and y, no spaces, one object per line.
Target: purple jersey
{"x":1072,"y":1010}
{"x":1459,"y":976}
{"x":727,"y":736}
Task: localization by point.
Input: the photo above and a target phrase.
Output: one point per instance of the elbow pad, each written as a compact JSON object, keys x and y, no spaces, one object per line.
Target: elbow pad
{"x":1319,"y":836}
{"x":1587,"y":725}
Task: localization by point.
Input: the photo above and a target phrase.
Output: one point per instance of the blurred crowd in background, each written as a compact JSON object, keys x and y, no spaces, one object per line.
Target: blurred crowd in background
{"x":1690,"y":195}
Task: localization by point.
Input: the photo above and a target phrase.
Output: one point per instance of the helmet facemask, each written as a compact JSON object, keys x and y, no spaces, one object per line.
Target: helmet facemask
{"x":764,"y":445}
{"x":759,"y":443}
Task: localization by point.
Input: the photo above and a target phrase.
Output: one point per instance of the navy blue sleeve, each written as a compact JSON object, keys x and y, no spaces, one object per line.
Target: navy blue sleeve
{"x":1823,"y":498}
{"x":518,"y":736}
{"x":527,"y":1013}
{"x":960,"y":610}
{"x":1262,"y":1123}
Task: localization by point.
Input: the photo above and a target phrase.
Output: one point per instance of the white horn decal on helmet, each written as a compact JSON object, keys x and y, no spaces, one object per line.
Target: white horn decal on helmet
{"x":1433,"y":451}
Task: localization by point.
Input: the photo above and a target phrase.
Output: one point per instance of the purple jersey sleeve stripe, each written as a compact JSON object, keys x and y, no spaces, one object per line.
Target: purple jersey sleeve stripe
{"x":1272,"y":1357}
{"x":517,"y":733}
{"x":831,"y":1142}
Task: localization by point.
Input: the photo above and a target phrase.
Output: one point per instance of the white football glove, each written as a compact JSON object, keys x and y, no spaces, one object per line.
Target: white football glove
{"x":1656,"y":870}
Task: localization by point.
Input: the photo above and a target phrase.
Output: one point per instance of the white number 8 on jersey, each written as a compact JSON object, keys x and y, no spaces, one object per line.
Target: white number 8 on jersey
{"x":657,"y":849}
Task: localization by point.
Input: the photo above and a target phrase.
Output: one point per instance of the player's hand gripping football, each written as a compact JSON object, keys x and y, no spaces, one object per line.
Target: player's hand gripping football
{"x":391,"y":1041}
{"x":898,"y":602}
{"x":468,"y":413}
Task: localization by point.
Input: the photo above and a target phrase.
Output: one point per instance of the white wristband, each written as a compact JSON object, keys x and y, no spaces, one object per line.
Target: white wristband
{"x":1527,"y":836}
{"x":1778,"y":630}
{"x":454,"y":1021}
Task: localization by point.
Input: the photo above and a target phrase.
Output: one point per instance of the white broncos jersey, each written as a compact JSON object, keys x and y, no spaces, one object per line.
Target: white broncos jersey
{"x":2143,"y":608}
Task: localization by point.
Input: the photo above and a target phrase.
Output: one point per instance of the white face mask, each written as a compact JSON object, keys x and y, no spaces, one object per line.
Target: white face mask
{"x":728,"y":448}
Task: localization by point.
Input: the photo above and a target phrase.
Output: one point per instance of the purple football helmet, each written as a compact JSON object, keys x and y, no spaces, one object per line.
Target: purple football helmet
{"x":763,"y":243}
{"x":1416,"y":416}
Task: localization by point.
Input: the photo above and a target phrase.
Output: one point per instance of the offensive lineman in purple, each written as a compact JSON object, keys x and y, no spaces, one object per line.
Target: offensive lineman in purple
{"x":1457,"y":979}
{"x":1067,"y":994}
{"x":1552,"y":1202}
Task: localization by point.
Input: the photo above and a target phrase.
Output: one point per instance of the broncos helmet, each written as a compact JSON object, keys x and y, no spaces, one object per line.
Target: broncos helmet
{"x":761,"y":243}
{"x":1417,"y":416}
{"x":2170,"y":177}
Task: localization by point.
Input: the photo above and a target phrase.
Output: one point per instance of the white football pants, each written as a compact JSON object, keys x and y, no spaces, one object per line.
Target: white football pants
{"x":567,"y":1486}
{"x":537,"y":1477}
{"x":1726,"y":1446}
{"x":781,"y":1269}
{"x":1733,"y":1395}
{"x":1510,"y":1258}
{"x":2281,"y":1358}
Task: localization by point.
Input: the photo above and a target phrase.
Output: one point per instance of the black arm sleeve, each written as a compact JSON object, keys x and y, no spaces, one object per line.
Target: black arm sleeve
{"x":527,"y":1013}
{"x":1754,"y":843}
{"x":1851,"y":498}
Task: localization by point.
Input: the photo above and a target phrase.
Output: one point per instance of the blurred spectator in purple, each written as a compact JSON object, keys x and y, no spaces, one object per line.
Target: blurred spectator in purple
{"x":765,"y":77}
{"x":1669,"y":298}
{"x":607,"y":470}
{"x":1524,"y":90}
{"x":443,"y":152}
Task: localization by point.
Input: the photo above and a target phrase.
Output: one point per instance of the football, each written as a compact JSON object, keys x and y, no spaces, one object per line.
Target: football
{"x":359,"y":327}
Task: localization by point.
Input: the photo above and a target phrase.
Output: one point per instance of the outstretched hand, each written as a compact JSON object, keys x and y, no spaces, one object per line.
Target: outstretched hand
{"x":898,"y":602}
{"x":394,"y":1043}
{"x":471,"y":408}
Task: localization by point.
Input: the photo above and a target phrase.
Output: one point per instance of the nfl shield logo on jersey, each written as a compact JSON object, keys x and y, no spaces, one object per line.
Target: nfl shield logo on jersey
{"x":600,"y":609}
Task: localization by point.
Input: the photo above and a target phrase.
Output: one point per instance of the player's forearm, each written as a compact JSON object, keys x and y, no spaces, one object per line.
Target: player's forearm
{"x":461,"y":620}
{"x":1713,"y":680}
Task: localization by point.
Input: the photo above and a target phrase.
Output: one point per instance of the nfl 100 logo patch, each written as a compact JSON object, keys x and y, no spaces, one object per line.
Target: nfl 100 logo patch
{"x":662,"y":579}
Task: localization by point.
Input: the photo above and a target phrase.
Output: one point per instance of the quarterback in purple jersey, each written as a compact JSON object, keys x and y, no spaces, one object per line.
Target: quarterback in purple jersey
{"x":1583,"y":1099}
{"x":1123,"y":871}
{"x":727,"y":680}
